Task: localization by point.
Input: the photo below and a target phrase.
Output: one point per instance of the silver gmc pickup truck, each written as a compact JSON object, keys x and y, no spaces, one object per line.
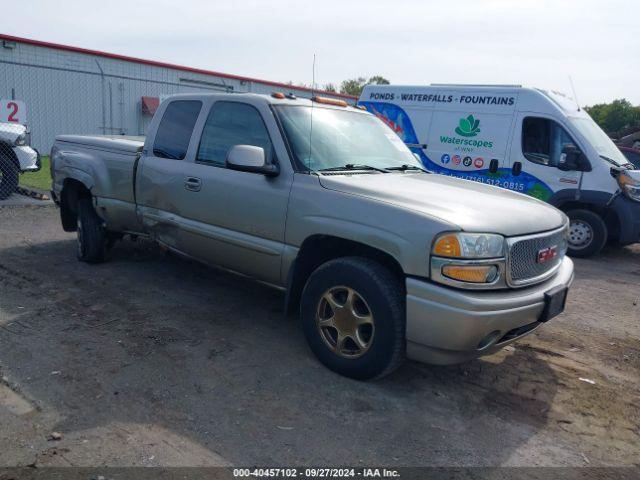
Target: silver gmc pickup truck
{"x":382,"y":259}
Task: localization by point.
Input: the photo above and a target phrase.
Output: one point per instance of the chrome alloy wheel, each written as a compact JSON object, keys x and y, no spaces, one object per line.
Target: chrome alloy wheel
{"x":580,"y":234}
{"x":345,"y":322}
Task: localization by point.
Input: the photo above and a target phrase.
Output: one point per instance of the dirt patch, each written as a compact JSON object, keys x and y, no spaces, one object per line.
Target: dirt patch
{"x":153,"y":360}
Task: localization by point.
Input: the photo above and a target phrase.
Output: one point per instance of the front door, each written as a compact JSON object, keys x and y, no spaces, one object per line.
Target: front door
{"x":236,"y":219}
{"x":538,"y":146}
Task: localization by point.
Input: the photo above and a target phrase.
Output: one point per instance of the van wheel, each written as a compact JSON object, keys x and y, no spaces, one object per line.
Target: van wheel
{"x":353,"y":316}
{"x":9,"y":175}
{"x":92,"y":236}
{"x":587,"y":233}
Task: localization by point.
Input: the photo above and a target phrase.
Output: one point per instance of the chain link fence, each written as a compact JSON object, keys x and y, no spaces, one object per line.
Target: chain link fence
{"x":56,"y":89}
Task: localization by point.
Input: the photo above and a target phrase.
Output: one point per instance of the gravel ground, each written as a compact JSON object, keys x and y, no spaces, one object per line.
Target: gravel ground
{"x":150,"y":359}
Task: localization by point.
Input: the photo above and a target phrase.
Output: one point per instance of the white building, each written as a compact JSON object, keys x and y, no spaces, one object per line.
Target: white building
{"x":74,"y":90}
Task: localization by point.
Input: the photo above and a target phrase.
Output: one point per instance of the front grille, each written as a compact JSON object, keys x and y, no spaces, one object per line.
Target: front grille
{"x":524,"y":267}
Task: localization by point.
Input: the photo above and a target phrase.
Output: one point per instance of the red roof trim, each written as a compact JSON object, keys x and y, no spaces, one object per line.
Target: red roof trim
{"x":154,"y":63}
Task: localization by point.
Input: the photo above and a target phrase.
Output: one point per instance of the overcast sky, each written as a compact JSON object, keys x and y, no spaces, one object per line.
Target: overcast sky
{"x":533,"y":42}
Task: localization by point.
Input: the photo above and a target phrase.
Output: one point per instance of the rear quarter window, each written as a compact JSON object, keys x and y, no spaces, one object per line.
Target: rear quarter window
{"x":175,"y":129}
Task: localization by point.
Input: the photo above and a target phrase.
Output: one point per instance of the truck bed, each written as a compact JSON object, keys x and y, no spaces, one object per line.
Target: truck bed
{"x":105,"y":165}
{"x":118,"y":143}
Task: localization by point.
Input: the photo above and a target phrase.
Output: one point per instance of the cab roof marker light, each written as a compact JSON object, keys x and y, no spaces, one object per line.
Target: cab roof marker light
{"x":278,"y":95}
{"x":329,"y":101}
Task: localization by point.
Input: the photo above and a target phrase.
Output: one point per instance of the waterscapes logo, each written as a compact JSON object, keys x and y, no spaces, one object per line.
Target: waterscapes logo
{"x":467,"y":127}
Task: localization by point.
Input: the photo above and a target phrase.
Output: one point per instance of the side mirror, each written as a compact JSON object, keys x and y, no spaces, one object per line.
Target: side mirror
{"x":572,"y":158}
{"x":248,"y":158}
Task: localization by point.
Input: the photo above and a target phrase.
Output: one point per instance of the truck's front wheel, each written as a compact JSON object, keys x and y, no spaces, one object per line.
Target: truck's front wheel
{"x":353,"y":315}
{"x":92,"y":236}
{"x":8,"y":176}
{"x":587,"y":233}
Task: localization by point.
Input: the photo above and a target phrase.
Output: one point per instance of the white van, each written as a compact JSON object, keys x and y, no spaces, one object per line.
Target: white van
{"x":532,"y":141}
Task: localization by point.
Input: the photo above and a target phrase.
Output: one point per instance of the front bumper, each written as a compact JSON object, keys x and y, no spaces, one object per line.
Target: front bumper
{"x":447,"y":326}
{"x":28,"y":158}
{"x":628,"y":212}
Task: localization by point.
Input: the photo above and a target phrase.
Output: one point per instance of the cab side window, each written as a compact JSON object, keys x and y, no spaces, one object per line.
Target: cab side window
{"x":230,"y":124}
{"x":543,"y":141}
{"x":175,"y":129}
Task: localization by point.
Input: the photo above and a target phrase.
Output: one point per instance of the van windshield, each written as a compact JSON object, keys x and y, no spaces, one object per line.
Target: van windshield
{"x":342,"y":138}
{"x":599,"y":140}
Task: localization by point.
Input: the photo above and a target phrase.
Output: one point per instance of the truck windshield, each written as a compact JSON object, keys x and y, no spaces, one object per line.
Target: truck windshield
{"x":343,"y":139}
{"x":599,"y":140}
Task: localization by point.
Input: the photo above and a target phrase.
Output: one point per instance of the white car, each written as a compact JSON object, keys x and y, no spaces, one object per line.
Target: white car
{"x":16,"y":156}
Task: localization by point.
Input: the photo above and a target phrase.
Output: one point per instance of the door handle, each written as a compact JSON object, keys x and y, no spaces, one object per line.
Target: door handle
{"x":193,"y":184}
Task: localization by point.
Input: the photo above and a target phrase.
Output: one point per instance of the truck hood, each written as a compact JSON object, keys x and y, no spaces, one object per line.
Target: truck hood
{"x":472,"y":206}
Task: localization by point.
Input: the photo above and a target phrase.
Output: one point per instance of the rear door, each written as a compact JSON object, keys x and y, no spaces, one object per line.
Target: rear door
{"x":161,"y":193}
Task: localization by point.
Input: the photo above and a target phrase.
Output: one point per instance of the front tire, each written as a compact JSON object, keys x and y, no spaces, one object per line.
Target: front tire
{"x":353,"y":317}
{"x":587,"y":233}
{"x":92,"y":236}
{"x":9,"y":176}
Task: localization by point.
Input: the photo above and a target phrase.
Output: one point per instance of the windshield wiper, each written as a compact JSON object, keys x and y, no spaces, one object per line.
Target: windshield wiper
{"x":353,"y":166}
{"x":406,"y":166}
{"x":616,"y":164}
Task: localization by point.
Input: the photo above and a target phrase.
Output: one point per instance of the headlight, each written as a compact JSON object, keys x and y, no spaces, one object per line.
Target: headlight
{"x":630,"y":186}
{"x":469,"y":260}
{"x":469,"y":245}
{"x":21,"y":139}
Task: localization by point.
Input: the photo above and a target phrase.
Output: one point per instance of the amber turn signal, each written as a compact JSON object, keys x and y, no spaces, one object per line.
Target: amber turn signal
{"x":447,"y":246}
{"x":471,"y":273}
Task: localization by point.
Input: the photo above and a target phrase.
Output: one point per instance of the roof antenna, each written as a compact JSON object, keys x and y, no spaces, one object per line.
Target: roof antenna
{"x":575,"y":97}
{"x":313,"y":85}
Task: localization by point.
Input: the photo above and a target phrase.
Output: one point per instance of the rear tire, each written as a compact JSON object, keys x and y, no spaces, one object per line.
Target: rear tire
{"x":355,"y":291}
{"x":9,"y":176}
{"x":587,"y":233}
{"x":92,"y":236}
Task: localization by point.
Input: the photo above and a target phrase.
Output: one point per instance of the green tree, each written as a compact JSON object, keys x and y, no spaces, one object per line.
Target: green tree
{"x":616,"y":118}
{"x":354,"y":86}
{"x":329,"y":87}
{"x":378,"y":80}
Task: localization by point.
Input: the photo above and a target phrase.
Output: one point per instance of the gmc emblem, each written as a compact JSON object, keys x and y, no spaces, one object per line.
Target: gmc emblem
{"x":547,"y":254}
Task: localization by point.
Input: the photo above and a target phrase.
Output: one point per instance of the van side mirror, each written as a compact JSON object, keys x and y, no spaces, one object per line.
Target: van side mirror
{"x":249,"y":158}
{"x":572,"y":158}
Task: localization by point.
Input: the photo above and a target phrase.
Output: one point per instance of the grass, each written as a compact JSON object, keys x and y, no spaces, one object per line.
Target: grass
{"x":40,"y":180}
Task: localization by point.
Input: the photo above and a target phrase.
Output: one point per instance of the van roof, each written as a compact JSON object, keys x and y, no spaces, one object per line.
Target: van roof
{"x":559,"y":100}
